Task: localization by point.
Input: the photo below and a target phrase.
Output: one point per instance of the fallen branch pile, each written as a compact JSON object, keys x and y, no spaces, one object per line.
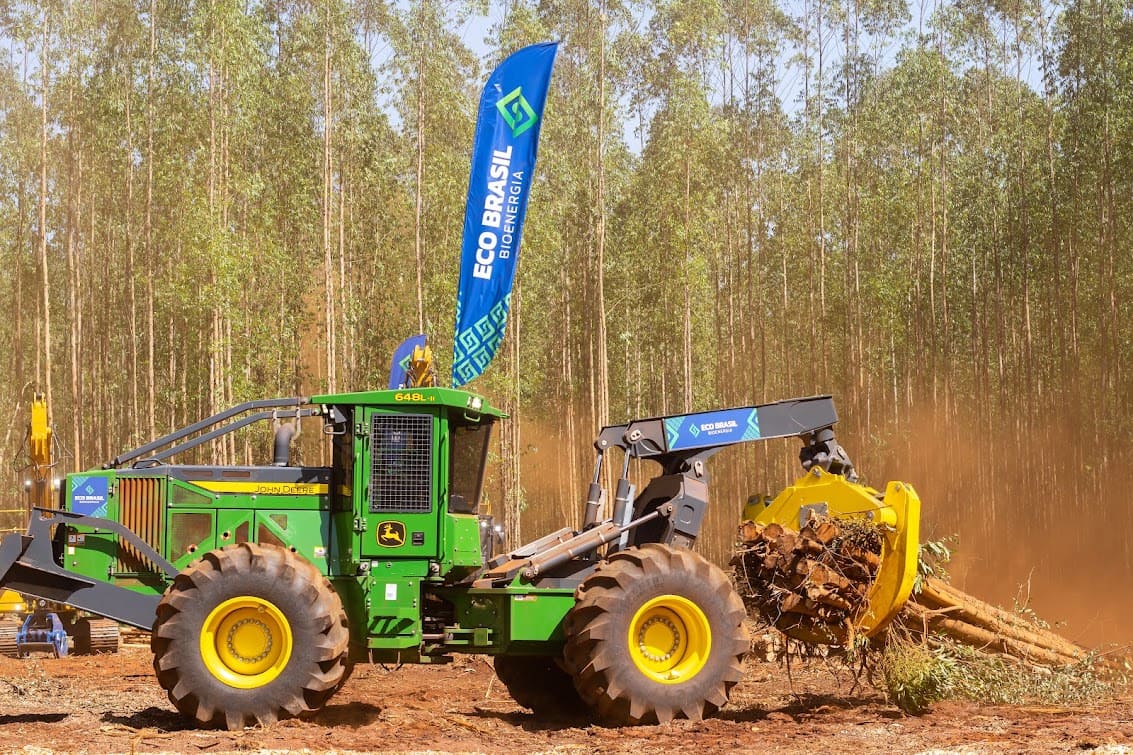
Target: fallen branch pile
{"x":814,"y":585}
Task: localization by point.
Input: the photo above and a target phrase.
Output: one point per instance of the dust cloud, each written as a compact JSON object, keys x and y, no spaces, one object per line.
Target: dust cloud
{"x":1041,"y":518}
{"x":1035,"y":519}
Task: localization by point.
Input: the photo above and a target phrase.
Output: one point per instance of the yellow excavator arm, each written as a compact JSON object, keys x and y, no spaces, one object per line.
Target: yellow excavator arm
{"x":40,"y":460}
{"x":41,"y":453}
{"x":39,"y":433}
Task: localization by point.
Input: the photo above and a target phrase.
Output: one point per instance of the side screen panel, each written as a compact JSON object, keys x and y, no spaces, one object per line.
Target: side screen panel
{"x":401,"y":474}
{"x":401,"y":478}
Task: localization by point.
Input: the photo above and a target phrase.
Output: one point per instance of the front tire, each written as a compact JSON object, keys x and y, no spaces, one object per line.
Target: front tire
{"x":657,"y":633}
{"x":249,"y":634}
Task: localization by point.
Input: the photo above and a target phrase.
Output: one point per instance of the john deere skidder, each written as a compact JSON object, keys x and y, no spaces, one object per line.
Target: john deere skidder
{"x":262,"y":585}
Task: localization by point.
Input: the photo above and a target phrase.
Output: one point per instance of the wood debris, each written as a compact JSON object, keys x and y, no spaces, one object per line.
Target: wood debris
{"x":939,"y":608}
{"x":814,"y":585}
{"x":811,"y":584}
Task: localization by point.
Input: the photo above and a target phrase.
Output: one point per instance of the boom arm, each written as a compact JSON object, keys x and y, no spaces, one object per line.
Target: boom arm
{"x":682,"y":443}
{"x":669,"y":438}
{"x":39,"y":434}
{"x":41,"y":453}
{"x":671,"y":507}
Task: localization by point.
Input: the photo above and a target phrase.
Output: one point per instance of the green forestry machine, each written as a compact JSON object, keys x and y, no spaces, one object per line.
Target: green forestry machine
{"x":263,"y":585}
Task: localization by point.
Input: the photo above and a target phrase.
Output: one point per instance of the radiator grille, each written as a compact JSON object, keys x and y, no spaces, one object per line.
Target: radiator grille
{"x":401,"y":462}
{"x":141,"y":506}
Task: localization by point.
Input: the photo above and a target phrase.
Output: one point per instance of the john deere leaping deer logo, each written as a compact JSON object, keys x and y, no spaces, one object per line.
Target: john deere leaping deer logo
{"x":391,"y":534}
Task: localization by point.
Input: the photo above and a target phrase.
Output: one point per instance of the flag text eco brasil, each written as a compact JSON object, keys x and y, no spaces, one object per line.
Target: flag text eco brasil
{"x":501,"y":208}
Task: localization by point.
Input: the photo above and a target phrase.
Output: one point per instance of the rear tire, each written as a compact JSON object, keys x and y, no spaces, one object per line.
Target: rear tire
{"x":249,"y":634}
{"x":95,"y":636}
{"x":539,"y":683}
{"x":657,"y":633}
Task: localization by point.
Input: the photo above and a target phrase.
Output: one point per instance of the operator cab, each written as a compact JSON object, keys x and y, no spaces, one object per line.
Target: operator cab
{"x":408,"y":469}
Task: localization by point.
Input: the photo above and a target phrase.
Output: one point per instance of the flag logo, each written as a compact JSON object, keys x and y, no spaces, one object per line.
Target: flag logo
{"x":517,"y":112}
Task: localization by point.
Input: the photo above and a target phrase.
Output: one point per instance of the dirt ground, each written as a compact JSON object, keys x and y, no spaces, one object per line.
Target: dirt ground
{"x":113,"y":704}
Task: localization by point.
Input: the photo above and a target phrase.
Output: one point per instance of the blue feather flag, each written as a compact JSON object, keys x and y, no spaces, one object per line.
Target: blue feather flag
{"x":503,"y":166}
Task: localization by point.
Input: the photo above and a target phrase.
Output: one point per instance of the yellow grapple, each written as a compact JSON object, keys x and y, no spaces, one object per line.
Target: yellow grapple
{"x":897,"y":511}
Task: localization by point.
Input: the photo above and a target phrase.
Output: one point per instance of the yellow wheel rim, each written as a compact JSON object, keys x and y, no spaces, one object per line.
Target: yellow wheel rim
{"x":670,"y":639}
{"x":246,"y":642}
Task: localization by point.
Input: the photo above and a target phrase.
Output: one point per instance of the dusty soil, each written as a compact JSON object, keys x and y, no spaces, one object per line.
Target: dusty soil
{"x":113,"y":704}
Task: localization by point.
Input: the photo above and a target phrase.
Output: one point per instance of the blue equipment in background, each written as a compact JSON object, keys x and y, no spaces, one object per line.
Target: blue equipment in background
{"x":42,"y":630}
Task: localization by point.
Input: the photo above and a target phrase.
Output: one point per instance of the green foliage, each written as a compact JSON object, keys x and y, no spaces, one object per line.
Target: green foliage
{"x":988,"y":678}
{"x":916,"y":676}
{"x":932,"y":558}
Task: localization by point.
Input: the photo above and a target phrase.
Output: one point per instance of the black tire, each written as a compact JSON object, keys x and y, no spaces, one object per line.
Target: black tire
{"x":539,"y":683}
{"x":253,"y":596}
{"x":689,"y":623}
{"x":346,"y":674}
{"x":94,"y":636}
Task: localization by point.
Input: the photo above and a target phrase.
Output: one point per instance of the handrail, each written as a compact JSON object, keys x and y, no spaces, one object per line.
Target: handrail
{"x":217,"y":418}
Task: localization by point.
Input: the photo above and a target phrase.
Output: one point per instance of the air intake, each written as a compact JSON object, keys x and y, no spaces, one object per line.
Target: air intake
{"x":141,"y":506}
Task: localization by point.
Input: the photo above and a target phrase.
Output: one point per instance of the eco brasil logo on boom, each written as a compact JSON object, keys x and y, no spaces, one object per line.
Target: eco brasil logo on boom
{"x":517,"y":112}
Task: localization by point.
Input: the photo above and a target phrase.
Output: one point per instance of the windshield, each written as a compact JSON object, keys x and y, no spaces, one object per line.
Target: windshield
{"x":469,"y":452}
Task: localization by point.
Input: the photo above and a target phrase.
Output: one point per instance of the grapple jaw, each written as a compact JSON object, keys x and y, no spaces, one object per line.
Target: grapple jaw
{"x":829,"y":559}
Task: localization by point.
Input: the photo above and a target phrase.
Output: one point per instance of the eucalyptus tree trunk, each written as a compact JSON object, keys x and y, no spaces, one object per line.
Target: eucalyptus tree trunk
{"x":45,"y":72}
{"x":328,"y":211}
{"x":603,"y":367}
{"x":131,"y":251}
{"x":150,"y":256}
{"x":419,"y":198}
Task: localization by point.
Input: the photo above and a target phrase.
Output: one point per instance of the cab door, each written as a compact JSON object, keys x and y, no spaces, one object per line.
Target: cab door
{"x":399,"y":475}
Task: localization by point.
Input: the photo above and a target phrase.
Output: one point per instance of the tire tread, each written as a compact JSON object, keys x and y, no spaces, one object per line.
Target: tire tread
{"x":169,"y":639}
{"x":592,"y":653}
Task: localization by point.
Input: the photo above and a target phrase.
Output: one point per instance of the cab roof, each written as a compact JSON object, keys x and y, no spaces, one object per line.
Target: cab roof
{"x":450,"y":398}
